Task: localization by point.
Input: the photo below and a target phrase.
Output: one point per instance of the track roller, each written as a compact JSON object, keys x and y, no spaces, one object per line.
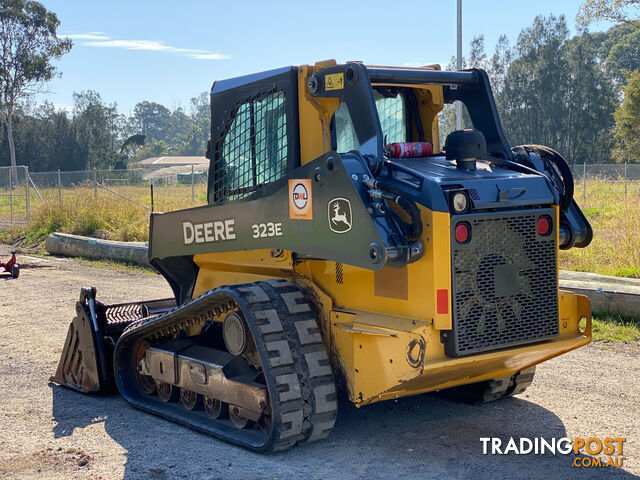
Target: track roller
{"x":215,"y":408}
{"x":190,"y":400}
{"x":167,"y":392}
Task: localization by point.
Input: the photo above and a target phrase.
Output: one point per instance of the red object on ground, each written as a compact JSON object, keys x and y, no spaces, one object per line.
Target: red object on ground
{"x":11,"y":266}
{"x":462,"y":232}
{"x":409,"y":149}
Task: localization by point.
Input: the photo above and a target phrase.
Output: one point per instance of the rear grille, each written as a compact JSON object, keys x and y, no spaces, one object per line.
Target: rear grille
{"x":504,"y":283}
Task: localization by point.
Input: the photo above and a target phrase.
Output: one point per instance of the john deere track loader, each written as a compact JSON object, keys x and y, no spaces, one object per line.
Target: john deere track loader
{"x":342,"y":247}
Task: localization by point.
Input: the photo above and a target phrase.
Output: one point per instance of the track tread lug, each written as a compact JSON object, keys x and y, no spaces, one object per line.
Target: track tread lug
{"x":294,"y":421}
{"x":293,"y":391}
{"x":291,"y":301}
{"x":308,"y":332}
{"x":284,"y":356}
{"x":254,"y":294}
{"x":318,"y":364}
{"x":268,"y":321}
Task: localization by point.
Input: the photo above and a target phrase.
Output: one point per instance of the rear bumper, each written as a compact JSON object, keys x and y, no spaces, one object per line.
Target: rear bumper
{"x":382,"y":358}
{"x":460,"y":371}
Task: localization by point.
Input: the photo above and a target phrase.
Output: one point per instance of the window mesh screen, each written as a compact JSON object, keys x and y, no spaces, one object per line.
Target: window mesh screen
{"x":254,"y":150}
{"x":391,"y":112}
{"x":392,"y":117}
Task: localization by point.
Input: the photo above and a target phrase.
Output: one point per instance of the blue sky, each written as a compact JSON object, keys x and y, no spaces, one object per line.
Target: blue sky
{"x":168,"y":51}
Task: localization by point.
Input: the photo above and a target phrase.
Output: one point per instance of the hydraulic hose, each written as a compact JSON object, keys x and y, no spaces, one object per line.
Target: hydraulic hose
{"x":412,"y":231}
{"x":558,"y":170}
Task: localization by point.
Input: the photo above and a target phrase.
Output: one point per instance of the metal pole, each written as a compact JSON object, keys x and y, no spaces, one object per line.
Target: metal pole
{"x":625,"y":179}
{"x":59,"y":188}
{"x":459,"y":64}
{"x":193,"y":192}
{"x":584,"y":182}
{"x":11,"y":194}
{"x":95,"y":183}
{"x":26,"y":189}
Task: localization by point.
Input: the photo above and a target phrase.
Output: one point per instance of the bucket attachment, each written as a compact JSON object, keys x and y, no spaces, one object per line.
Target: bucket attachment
{"x":86,"y":364}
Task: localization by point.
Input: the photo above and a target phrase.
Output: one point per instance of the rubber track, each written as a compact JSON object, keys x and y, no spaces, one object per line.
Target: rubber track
{"x":296,"y":367}
{"x":508,"y":386}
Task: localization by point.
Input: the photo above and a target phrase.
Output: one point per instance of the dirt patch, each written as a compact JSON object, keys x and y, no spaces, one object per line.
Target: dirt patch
{"x":49,"y":432}
{"x":43,"y":462}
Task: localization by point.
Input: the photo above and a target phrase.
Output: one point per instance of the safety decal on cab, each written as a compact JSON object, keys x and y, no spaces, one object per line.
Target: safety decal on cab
{"x":334,"y":81}
{"x":339,"y":215}
{"x":300,"y":207}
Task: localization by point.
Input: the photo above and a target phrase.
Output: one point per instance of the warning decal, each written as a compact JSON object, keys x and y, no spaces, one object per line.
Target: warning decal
{"x":334,"y":81}
{"x":300,"y":207}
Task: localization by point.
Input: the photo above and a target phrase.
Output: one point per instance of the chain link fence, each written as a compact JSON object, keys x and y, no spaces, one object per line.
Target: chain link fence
{"x":619,"y":179}
{"x":21,"y":191}
{"x":14,"y":194}
{"x":185,"y":186}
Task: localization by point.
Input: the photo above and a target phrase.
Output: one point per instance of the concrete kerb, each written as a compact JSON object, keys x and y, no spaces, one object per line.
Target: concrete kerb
{"x":78,"y":246}
{"x":607,"y":294}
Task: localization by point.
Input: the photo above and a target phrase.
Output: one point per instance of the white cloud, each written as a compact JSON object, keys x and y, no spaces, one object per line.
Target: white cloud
{"x":129,"y":44}
{"x":208,"y":56}
{"x":87,"y":36}
{"x":100,"y":40}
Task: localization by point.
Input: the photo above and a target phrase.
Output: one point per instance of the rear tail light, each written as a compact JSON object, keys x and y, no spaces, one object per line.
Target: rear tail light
{"x":463,"y":232}
{"x":543,"y":225}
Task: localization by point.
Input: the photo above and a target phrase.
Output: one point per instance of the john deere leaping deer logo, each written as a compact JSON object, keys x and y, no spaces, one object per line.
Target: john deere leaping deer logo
{"x":339,"y":215}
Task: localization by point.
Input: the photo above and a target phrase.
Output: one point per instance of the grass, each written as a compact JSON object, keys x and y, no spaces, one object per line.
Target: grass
{"x":117,"y":265}
{"x":106,"y":215}
{"x":615,"y":219}
{"x":615,"y":328}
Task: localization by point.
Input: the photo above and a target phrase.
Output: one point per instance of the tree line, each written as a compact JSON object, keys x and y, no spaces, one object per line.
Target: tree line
{"x":95,"y":135}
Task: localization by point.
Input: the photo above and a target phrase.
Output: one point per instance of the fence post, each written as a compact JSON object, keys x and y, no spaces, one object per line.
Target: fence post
{"x":59,"y":188}
{"x":193,"y":194}
{"x":26,"y":189}
{"x":95,"y":183}
{"x":625,"y":179}
{"x":11,"y":194}
{"x":584,"y":182}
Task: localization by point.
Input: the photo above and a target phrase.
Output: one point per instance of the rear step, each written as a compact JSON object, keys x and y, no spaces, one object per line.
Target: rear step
{"x":86,"y":363}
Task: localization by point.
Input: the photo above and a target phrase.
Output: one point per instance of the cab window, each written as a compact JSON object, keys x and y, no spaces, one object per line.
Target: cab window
{"x":392,"y":113}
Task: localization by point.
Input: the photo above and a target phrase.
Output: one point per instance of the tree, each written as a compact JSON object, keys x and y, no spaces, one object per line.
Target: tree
{"x":617,"y":11}
{"x":500,"y":63}
{"x":29,"y":45}
{"x":447,"y":116}
{"x":590,"y":101}
{"x":98,"y":129}
{"x":627,"y":117}
{"x":128,"y":150}
{"x":152,"y":120}
{"x":620,"y":49}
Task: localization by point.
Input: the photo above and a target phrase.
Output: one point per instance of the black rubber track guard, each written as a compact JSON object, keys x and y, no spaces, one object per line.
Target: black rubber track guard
{"x":297,"y":371}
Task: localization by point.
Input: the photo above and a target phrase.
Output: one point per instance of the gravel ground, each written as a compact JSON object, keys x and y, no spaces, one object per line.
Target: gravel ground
{"x":50,"y":432}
